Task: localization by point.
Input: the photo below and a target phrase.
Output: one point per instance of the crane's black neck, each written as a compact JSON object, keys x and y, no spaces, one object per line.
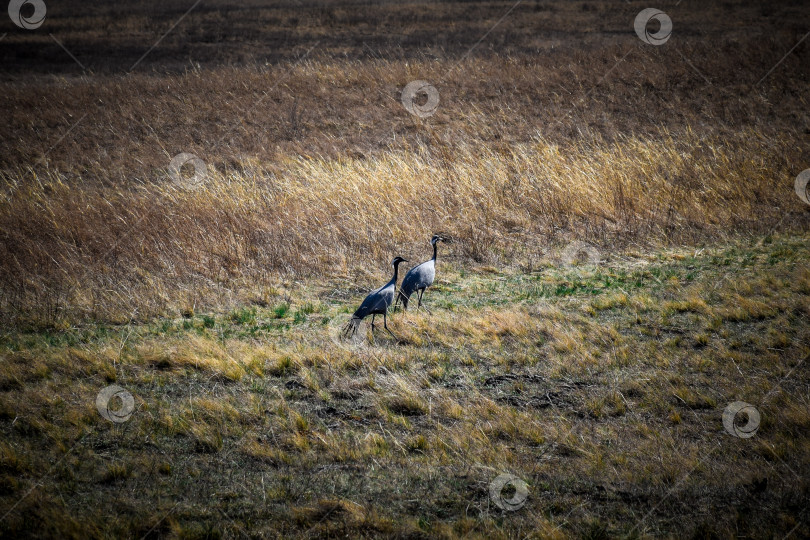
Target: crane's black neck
{"x":396,"y":272}
{"x":435,"y":246}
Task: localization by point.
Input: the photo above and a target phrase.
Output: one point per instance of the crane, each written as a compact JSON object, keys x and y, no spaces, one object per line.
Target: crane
{"x":420,"y":277}
{"x":376,"y":303}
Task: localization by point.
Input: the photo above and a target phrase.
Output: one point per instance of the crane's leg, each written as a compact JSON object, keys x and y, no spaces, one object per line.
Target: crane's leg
{"x":421,"y":292}
{"x":385,"y":324}
{"x":401,"y":299}
{"x":372,"y":322}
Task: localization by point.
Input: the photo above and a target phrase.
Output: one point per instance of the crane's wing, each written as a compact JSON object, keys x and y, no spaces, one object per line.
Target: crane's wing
{"x":378,"y":300}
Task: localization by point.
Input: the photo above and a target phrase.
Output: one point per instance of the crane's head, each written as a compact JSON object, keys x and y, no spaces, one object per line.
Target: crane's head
{"x":436,"y":238}
{"x":397,"y":260}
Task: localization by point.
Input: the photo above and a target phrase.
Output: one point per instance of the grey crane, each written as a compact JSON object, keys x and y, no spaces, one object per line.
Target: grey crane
{"x":419,"y":278}
{"x":376,"y":303}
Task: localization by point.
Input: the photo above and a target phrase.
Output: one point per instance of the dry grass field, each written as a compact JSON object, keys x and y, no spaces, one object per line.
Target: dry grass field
{"x":216,"y":299}
{"x":601,"y":387}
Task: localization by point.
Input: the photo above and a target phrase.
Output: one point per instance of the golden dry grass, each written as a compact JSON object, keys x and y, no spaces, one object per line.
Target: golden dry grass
{"x":119,"y":253}
{"x":561,"y":126}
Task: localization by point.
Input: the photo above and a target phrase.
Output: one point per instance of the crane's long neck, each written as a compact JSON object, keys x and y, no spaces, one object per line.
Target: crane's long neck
{"x":435,"y":248}
{"x":396,"y":273}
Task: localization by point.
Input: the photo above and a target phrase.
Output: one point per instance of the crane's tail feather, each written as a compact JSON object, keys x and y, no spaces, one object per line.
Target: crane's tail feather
{"x":402,"y":297}
{"x":350,"y":328}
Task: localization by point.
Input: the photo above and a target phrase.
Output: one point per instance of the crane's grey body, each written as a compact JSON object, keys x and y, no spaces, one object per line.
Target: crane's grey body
{"x":419,"y":278}
{"x":376,"y":303}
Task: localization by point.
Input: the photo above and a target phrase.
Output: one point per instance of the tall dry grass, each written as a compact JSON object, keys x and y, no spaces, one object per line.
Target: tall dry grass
{"x":118,"y":252}
{"x":560,"y":125}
